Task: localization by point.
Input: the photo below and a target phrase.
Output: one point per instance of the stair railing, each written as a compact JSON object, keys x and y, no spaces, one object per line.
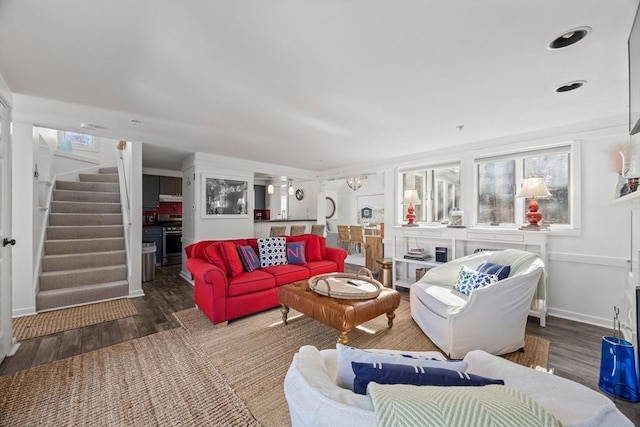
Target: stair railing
{"x":126,"y":205}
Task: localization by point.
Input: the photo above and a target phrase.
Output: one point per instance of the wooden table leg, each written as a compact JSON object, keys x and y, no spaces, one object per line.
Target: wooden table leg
{"x":285,"y":312}
{"x":391,"y":315}
{"x":342,"y":338}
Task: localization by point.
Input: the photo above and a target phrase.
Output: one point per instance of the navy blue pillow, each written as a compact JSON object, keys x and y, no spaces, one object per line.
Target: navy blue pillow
{"x":391,"y":373}
{"x":502,"y":271}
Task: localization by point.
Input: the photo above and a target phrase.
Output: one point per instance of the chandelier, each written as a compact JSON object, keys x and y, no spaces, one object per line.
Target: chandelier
{"x":355,"y":182}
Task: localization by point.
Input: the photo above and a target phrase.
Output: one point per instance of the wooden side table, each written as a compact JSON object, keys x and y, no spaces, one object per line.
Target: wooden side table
{"x":384,"y":276}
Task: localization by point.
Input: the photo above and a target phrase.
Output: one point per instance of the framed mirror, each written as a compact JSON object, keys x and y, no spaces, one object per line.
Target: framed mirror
{"x":330,"y":208}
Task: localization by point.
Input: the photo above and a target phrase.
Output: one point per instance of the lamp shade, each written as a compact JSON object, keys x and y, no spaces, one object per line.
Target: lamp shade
{"x":270,"y":189}
{"x":411,"y":197}
{"x":533,"y":187}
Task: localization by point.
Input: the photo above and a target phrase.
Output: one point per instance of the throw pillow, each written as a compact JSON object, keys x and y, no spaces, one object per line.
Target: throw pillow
{"x":469,"y":280}
{"x":249,"y":258}
{"x":347,"y":355}
{"x":213,"y":253}
{"x":273,"y":251}
{"x":295,"y":253}
{"x":502,"y":271}
{"x":391,"y":373}
{"x":234,"y":264}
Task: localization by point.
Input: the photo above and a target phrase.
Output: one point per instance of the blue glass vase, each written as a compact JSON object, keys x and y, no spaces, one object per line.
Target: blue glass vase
{"x":618,"y":369}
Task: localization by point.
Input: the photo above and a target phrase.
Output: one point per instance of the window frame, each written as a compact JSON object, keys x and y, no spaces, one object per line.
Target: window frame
{"x":572,"y":148}
{"x":95,"y":147}
{"x":428,"y":180}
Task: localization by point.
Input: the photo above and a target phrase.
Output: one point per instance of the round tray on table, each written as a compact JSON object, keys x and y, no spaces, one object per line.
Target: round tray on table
{"x":346,"y":285}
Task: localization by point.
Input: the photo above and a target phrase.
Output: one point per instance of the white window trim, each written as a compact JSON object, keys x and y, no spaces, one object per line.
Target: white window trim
{"x":575,"y":187}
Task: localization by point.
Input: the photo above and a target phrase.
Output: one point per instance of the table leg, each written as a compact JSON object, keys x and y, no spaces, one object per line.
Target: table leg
{"x":285,"y":312}
{"x":342,"y":338}
{"x":391,"y":315}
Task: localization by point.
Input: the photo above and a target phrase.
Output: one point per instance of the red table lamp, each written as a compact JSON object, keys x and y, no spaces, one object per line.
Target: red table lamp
{"x":533,"y":187}
{"x":411,"y":198}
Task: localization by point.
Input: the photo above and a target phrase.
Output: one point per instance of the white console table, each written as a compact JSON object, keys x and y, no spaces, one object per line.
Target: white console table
{"x":460,"y":242}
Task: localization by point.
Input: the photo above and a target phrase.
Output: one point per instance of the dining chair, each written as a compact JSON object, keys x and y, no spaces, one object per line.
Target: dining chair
{"x":317,"y":229}
{"x":297,"y":230}
{"x":343,"y":237}
{"x":356,"y":237}
{"x":277,"y":230}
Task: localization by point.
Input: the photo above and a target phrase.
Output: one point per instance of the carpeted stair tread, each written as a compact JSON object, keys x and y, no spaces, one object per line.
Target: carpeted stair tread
{"x":105,"y":187}
{"x":65,"y":297}
{"x":59,"y":206}
{"x":84,"y":219}
{"x":74,"y":246}
{"x":108,"y":169}
{"x":93,"y":231}
{"x":76,"y":261}
{"x":86,"y":196}
{"x":98,"y":177}
{"x":82,"y":276}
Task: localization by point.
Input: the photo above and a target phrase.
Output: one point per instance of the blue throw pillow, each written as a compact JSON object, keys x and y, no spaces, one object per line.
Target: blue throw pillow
{"x":391,"y":373}
{"x":295,"y":253}
{"x":469,"y":280}
{"x":249,"y":258}
{"x":502,"y":271}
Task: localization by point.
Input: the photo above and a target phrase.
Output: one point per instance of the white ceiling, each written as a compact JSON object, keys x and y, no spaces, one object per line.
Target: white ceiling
{"x":312,"y":84}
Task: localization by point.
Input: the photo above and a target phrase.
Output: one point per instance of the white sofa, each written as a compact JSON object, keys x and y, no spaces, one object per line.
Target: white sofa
{"x":492,"y":318}
{"x":315,"y":400}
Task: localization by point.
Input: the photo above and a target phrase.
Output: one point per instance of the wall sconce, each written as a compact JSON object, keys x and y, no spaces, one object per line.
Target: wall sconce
{"x":270,"y":189}
{"x":533,"y":187}
{"x":291,"y":191}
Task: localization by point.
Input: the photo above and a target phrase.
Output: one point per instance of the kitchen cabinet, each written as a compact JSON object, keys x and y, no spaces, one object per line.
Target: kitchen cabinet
{"x":150,"y":194}
{"x":170,"y":185}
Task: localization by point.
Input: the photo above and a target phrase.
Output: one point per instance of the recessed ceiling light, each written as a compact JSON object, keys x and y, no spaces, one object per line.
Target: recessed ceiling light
{"x":569,"y":37}
{"x":570,"y":86}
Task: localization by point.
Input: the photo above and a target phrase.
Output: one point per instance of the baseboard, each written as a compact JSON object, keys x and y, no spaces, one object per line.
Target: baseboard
{"x":581,"y":318}
{"x":186,"y":276}
{"x":29,"y":311}
{"x":136,"y":293}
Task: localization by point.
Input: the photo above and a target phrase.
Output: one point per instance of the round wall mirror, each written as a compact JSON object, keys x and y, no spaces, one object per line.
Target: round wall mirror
{"x":330,"y":208}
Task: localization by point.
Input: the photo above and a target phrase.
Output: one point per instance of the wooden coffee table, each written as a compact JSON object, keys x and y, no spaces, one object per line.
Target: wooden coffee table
{"x":339,"y":313}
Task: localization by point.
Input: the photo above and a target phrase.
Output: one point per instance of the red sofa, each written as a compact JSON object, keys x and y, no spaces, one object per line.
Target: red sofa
{"x":224,"y":290}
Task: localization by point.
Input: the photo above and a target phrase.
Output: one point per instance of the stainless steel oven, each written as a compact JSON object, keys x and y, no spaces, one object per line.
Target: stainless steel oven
{"x":171,"y":238}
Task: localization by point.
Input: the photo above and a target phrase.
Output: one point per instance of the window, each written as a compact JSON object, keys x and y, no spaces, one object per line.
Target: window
{"x":499,"y":178}
{"x":77,"y":141}
{"x":438,"y":190}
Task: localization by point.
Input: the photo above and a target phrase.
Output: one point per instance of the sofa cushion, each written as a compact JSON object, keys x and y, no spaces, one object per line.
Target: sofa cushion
{"x":247,"y":283}
{"x":313,"y":246}
{"x":253,"y":242}
{"x":273,"y":251}
{"x":440,"y":300}
{"x":213,"y":254}
{"x":502,"y":271}
{"x":469,"y":280}
{"x":295,"y":253}
{"x":347,"y":355}
{"x":392,"y":373}
{"x":287,"y":273}
{"x":320,"y":267}
{"x":249,"y":258}
{"x":231,"y":257}
{"x":199,"y":248}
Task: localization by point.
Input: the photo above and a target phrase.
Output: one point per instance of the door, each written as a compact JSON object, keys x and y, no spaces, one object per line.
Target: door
{"x":6,"y":330}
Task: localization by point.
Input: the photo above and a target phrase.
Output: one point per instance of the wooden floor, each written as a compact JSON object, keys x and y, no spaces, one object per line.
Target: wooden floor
{"x":574,"y":352}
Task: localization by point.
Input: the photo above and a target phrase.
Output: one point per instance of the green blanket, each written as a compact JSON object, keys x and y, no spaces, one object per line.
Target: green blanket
{"x":516,"y":258}
{"x":492,"y":405}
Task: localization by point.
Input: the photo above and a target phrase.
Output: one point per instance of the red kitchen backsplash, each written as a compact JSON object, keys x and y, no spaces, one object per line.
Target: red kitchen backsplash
{"x":150,"y":217}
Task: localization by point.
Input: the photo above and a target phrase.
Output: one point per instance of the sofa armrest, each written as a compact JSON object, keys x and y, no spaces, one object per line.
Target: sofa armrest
{"x":337,"y":255}
{"x":208,"y":274}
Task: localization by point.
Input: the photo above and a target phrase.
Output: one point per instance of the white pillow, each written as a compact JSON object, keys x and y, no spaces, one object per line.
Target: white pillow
{"x":273,"y":251}
{"x":346,"y":355}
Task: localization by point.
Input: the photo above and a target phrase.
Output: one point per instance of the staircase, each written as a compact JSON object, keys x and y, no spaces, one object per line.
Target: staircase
{"x":84,"y":254}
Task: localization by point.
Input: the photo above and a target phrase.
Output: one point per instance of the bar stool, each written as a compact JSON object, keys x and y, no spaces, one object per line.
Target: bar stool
{"x":385,"y":271}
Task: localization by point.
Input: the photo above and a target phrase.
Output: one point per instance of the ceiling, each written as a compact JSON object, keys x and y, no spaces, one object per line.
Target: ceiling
{"x":316,"y":85}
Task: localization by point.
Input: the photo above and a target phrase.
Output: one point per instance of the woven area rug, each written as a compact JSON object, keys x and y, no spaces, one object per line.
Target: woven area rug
{"x":254,"y":353}
{"x":52,"y":322}
{"x":158,"y":380}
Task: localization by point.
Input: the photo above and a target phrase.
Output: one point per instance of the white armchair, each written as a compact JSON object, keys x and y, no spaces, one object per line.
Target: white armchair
{"x":492,"y":318}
